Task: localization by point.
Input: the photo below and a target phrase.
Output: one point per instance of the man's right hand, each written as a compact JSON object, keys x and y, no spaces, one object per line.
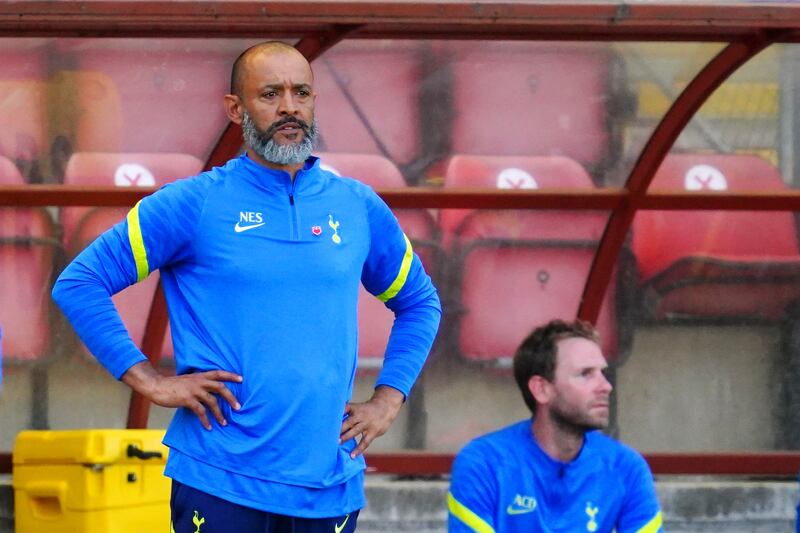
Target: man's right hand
{"x":197,"y":392}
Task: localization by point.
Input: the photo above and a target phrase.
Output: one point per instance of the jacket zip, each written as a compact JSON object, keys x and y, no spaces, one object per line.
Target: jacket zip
{"x":295,"y":229}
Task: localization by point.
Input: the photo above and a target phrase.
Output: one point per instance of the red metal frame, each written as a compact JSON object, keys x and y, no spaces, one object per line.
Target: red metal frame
{"x":321,"y":24}
{"x":773,"y":464}
{"x":654,"y":152}
{"x":603,"y":199}
{"x":779,"y":464}
{"x":601,"y":21}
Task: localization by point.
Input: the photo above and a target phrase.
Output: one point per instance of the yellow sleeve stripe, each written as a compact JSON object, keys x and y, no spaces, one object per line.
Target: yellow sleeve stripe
{"x":653,"y":525}
{"x":460,"y":511}
{"x":402,"y":276}
{"x":137,"y":243}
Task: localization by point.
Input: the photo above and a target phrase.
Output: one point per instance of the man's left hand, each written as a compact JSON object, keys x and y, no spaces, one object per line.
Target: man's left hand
{"x":372,"y":418}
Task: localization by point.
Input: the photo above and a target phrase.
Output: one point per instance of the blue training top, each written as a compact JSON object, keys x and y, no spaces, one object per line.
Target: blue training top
{"x":261,"y":275}
{"x":505,"y":482}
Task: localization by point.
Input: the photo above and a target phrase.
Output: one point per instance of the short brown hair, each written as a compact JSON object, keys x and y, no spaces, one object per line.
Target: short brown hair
{"x":536,"y":356}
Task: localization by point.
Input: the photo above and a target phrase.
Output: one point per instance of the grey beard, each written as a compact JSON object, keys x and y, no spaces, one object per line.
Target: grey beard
{"x":262,"y":143}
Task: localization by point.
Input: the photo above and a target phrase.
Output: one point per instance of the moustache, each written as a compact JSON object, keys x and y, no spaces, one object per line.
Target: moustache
{"x":275,"y":126}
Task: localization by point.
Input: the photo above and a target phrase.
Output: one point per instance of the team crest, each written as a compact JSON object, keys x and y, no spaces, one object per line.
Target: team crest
{"x":591,"y":512}
{"x":335,"y":227}
{"x":198,"y":521}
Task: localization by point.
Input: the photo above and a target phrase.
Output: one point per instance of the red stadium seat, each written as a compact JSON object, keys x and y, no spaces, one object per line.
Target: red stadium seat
{"x":514,"y":270}
{"x":22,"y":103}
{"x":514,"y":173}
{"x":82,"y":225}
{"x":375,"y":320}
{"x":721,"y":264}
{"x":514,"y":98}
{"x":130,"y":95}
{"x":367,"y":93}
{"x":27,"y":247}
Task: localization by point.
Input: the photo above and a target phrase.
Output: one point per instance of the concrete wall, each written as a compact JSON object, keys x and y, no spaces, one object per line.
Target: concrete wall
{"x":700,"y":388}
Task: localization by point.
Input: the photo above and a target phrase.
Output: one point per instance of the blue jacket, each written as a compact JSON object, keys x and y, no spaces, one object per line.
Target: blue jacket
{"x":261,"y":274}
{"x":504,"y":482}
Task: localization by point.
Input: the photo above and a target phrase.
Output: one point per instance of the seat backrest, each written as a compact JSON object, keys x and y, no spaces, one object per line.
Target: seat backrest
{"x":26,"y":265}
{"x":374,"y":170}
{"x":80,"y":225}
{"x":662,"y":237}
{"x":515,"y":98}
{"x":378,"y":172}
{"x":377,"y":82}
{"x":9,"y":173}
{"x":158,"y":96}
{"x":22,"y":101}
{"x":507,"y":291}
{"x":544,"y":172}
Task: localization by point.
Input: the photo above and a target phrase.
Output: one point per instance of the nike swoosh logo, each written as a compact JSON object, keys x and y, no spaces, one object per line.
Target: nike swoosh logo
{"x":518,"y":510}
{"x":339,"y":528}
{"x":238,"y":229}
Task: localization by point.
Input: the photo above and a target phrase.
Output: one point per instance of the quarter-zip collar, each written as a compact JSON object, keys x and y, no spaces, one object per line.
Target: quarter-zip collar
{"x":559,"y":467}
{"x":308,"y":179}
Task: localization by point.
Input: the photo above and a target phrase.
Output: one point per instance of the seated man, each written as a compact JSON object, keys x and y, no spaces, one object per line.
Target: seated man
{"x":555,"y":473}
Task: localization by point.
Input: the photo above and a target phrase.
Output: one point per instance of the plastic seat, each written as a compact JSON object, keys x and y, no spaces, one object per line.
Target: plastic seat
{"x":374,"y":319}
{"x":368,"y":91}
{"x":717,"y":264}
{"x":128,"y":95}
{"x":82,"y":225}
{"x":513,"y":270}
{"x":27,"y":247}
{"x":513,"y":98}
{"x":514,"y":173}
{"x":22,"y":103}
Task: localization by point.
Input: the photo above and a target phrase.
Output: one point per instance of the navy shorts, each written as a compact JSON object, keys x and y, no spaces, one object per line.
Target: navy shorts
{"x":194,"y":511}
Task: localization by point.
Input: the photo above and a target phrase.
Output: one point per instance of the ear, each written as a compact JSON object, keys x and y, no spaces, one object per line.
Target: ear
{"x":233,"y":108}
{"x":540,"y":389}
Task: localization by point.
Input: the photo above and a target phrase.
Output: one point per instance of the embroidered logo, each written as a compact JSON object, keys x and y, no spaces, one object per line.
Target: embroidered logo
{"x":198,"y":522}
{"x":335,"y":227}
{"x":338,"y":527}
{"x":316,"y":230}
{"x":248,"y":220}
{"x":591,"y":512}
{"x":521,"y":505}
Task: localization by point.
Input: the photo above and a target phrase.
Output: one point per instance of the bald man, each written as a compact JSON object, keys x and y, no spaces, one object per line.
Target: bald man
{"x":261,"y":261}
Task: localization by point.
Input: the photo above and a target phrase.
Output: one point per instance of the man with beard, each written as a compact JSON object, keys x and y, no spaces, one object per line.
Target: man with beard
{"x":261,"y":262}
{"x":555,"y":473}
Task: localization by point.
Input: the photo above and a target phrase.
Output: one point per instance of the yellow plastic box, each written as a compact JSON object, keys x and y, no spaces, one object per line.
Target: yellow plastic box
{"x":91,"y":481}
